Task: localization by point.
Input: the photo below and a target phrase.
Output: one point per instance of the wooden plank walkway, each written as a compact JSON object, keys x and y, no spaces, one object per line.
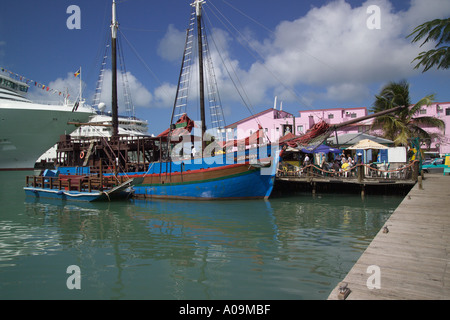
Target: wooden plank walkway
{"x":414,"y":255}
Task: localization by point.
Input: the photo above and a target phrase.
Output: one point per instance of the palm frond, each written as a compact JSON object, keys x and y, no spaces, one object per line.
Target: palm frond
{"x":428,"y":122}
{"x":437,"y":30}
{"x":425,"y":101}
{"x":402,"y":125}
{"x":433,"y":57}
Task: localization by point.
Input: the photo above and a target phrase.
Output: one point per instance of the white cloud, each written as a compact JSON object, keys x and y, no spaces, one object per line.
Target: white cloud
{"x":69,"y":85}
{"x":140,"y":96}
{"x":164,"y":96}
{"x":329,"y":53}
{"x":332,"y":46}
{"x":171,"y":46}
{"x":347,"y":91}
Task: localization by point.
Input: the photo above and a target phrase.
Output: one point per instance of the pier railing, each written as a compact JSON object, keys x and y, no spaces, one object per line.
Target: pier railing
{"x":359,"y":172}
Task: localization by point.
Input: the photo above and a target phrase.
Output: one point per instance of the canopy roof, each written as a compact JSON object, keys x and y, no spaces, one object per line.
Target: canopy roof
{"x":321,"y":149}
{"x":366,"y":144}
{"x":349,"y":139}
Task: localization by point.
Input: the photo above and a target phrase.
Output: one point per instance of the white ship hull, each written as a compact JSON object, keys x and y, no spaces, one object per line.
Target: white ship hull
{"x":27,"y":130}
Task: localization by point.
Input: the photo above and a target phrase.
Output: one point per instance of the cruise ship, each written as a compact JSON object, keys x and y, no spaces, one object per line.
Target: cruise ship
{"x":28,"y":129}
{"x":100,"y":125}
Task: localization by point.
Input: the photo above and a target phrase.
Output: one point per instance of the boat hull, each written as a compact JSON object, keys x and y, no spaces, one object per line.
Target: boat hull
{"x":74,"y":195}
{"x":27,"y":130}
{"x":236,"y":175}
{"x":242,"y":181}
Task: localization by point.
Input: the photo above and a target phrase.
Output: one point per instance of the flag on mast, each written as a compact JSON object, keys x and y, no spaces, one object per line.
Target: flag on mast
{"x":76,"y":74}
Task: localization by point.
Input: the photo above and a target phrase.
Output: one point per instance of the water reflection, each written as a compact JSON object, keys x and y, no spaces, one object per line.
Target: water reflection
{"x":294,"y":247}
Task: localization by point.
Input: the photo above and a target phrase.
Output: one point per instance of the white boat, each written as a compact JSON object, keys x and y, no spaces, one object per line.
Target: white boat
{"x":28,"y":129}
{"x":100,"y":125}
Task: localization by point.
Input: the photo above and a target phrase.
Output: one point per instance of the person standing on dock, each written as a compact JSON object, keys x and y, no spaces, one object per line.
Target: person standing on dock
{"x":306,"y":161}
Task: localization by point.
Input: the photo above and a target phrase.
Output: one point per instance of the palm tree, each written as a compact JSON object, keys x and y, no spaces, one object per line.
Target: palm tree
{"x":437,"y":30}
{"x":402,"y":125}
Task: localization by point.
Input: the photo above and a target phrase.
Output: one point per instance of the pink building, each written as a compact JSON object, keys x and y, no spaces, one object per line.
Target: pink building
{"x":332,"y":116}
{"x":441,"y":110}
{"x":277,"y":123}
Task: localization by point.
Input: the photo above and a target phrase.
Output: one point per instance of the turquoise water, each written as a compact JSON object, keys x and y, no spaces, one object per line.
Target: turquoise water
{"x":294,"y":247}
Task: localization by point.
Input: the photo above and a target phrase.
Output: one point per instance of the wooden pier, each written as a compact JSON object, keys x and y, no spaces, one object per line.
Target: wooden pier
{"x":409,"y":260}
{"x":361,"y":178}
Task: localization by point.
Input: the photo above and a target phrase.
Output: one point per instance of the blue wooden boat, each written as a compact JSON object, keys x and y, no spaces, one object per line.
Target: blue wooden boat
{"x":76,"y":195}
{"x":201,"y":178}
{"x":78,"y":187}
{"x":163,"y":170}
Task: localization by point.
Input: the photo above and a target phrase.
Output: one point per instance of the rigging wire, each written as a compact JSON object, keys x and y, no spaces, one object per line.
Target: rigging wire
{"x":260,"y":58}
{"x":272,"y":32}
{"x":215,"y":103}
{"x":248,"y":104}
{"x":129,"y":107}
{"x":246,"y":100}
{"x":145,"y":64}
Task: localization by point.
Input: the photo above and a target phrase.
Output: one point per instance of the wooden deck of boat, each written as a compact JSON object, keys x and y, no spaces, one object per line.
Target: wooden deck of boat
{"x":414,"y":255}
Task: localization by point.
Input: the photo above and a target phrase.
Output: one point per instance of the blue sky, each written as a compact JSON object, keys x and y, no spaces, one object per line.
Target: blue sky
{"x":310,"y":54}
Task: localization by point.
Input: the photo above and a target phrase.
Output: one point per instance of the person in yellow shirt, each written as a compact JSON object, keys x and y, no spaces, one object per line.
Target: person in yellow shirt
{"x":345,"y":166}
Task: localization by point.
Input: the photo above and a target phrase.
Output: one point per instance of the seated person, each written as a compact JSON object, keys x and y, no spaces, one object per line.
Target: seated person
{"x":345,"y":165}
{"x":373,"y":166}
{"x":336,"y":166}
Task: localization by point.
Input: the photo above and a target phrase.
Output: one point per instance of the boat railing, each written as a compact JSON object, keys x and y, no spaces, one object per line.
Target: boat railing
{"x":53,"y":103}
{"x":81,"y":183}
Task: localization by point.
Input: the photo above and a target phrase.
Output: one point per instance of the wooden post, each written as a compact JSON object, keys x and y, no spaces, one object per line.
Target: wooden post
{"x":415,"y":172}
{"x":101,"y":177}
{"x":360,"y":173}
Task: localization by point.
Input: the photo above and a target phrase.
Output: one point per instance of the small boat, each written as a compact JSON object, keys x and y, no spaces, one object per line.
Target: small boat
{"x":89,"y":188}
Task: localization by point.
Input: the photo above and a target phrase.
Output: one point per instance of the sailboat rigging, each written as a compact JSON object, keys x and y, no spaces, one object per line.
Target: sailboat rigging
{"x":158,"y":164}
{"x":208,"y":89}
{"x":114,"y":105}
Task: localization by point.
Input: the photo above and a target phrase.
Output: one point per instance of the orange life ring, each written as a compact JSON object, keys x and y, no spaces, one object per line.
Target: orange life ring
{"x":82,"y":155}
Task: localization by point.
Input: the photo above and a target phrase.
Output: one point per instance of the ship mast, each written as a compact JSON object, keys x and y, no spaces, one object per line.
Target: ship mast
{"x":198,"y":9}
{"x":114,"y":106}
